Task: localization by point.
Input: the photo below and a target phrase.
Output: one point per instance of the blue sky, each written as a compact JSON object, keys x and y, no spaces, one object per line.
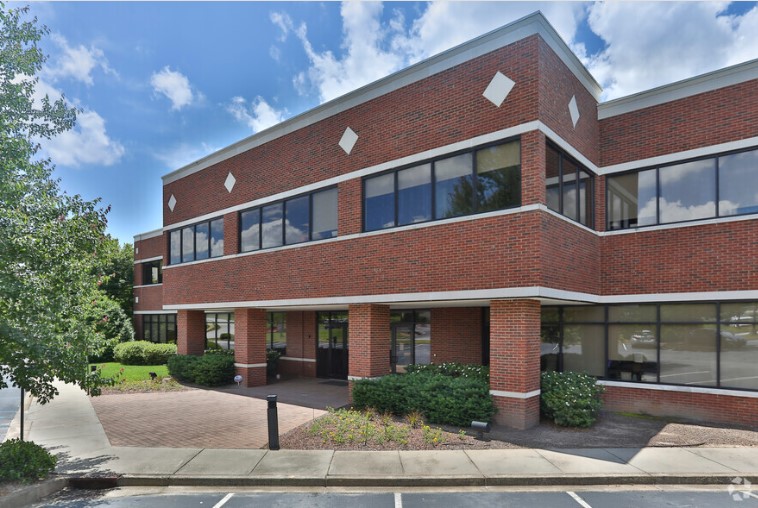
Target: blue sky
{"x":160,"y":85}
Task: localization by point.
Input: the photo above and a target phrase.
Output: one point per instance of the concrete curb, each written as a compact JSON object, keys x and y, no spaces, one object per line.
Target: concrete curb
{"x":33,"y":493}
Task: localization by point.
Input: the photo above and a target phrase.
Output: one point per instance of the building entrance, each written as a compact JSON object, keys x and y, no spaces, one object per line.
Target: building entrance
{"x":332,"y":345}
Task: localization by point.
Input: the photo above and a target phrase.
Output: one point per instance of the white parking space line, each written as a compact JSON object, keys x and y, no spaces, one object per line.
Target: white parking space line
{"x":578,"y":499}
{"x":398,"y":500}
{"x":223,"y":501}
{"x":752,"y":494}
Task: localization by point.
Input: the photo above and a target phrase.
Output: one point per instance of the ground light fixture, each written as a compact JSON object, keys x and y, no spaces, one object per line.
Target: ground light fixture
{"x":480,"y":428}
{"x":238,"y":380}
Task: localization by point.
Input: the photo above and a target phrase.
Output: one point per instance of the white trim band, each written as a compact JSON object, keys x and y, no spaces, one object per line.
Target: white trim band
{"x":147,"y":235}
{"x":147,"y":286}
{"x":146,"y":260}
{"x":249,"y":365}
{"x":681,"y":389}
{"x":293,"y":359}
{"x":360,"y":378}
{"x":157,"y":312}
{"x":515,"y":395}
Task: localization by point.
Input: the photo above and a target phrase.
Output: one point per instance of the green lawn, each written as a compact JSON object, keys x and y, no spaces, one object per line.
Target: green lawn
{"x":131,"y":372}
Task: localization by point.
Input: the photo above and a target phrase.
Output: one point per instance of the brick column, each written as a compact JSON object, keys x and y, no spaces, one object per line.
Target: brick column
{"x":250,"y":327}
{"x":369,"y":339}
{"x":515,"y":361}
{"x":190,"y":332}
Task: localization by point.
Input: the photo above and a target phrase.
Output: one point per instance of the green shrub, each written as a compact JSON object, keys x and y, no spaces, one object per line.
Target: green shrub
{"x":24,"y":461}
{"x":570,"y":399}
{"x":212,"y":369}
{"x":454,"y":369}
{"x":440,"y":398}
{"x":142,"y":352}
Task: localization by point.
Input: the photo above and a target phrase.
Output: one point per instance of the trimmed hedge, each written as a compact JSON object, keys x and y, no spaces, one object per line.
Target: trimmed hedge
{"x":570,"y":399}
{"x":24,"y":461}
{"x":453,"y":369}
{"x":142,"y":352}
{"x":211,"y":369}
{"x":440,"y":398}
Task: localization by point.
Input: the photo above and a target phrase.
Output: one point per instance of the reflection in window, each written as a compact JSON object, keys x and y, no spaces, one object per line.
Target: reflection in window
{"x":271,"y":225}
{"x":201,"y":241}
{"x":297,"y":223}
{"x":159,"y":328}
{"x":379,"y":204}
{"x":688,"y":354}
{"x":498,"y":175}
{"x":277,"y":332}
{"x":250,"y":230}
{"x":176,"y":247}
{"x":738,"y":181}
{"x":217,"y":238}
{"x":197,"y":242}
{"x":688,"y":191}
{"x":152,"y":272}
{"x":568,"y":187}
{"x":414,"y":194}
{"x":188,"y":244}
{"x":583,"y":349}
{"x":219,"y":330}
{"x":632,"y":200}
{"x":739,"y":345}
{"x":324,"y":214}
{"x":453,"y":186}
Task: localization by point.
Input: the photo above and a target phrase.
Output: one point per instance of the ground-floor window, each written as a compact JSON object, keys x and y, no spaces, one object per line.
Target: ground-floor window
{"x":332,"y":345}
{"x":159,"y":328}
{"x":277,"y":332}
{"x":219,"y":330}
{"x":411,"y":338}
{"x":700,"y":344}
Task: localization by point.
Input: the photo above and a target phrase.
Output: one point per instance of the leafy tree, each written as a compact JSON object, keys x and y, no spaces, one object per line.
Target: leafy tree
{"x":48,"y":239}
{"x":115,"y":270}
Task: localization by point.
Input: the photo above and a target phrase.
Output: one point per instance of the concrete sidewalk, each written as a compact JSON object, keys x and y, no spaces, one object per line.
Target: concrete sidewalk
{"x":70,"y":427}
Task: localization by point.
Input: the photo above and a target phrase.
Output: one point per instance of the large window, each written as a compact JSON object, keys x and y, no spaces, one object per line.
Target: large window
{"x":301,"y":219}
{"x":159,"y":328}
{"x":219,"y":330}
{"x":472,"y":182}
{"x":411,"y":339}
{"x":695,"y":344}
{"x":277,"y":332}
{"x":569,"y":187}
{"x":196,"y":242}
{"x":701,"y":189}
{"x":152,"y":272}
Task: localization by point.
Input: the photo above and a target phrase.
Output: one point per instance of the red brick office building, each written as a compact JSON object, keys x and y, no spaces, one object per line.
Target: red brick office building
{"x":481,"y":206}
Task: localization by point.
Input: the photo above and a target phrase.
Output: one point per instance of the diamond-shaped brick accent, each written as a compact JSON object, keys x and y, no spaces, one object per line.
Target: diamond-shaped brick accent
{"x":229,"y":182}
{"x":171,"y":202}
{"x":574,"y":110}
{"x":347,"y":142}
{"x":498,"y":89}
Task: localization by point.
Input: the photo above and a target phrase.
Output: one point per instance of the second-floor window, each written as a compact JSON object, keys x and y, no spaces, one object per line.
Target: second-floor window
{"x":152,"y":272}
{"x":196,"y":242}
{"x":569,"y":187}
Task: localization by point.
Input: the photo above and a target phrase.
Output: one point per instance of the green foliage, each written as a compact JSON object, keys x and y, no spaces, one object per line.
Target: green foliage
{"x":49,"y":240}
{"x":570,"y":399}
{"x":129,"y":373}
{"x":110,"y":320}
{"x":142,"y":352}
{"x":24,"y":461}
{"x":348,"y":426}
{"x":114,"y":269}
{"x":212,"y":369}
{"x":440,"y":398}
{"x":454,"y":369}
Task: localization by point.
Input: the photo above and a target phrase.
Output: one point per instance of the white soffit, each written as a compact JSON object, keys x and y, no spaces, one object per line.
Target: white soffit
{"x":681,"y":89}
{"x":533,"y":24}
{"x":147,"y":235}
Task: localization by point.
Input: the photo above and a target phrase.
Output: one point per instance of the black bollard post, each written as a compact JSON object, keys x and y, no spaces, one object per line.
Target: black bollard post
{"x":273,"y":423}
{"x":22,"y":414}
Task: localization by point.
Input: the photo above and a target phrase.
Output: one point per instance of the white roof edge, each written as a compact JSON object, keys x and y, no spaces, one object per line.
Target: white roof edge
{"x":150,"y":234}
{"x":707,"y":82}
{"x":531,"y":24}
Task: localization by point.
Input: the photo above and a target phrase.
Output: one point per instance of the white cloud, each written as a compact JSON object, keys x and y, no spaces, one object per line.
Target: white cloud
{"x":75,"y":62}
{"x":655,"y":43}
{"x":258,"y":115}
{"x":182,"y":154}
{"x":175,"y":86}
{"x":87,"y":143}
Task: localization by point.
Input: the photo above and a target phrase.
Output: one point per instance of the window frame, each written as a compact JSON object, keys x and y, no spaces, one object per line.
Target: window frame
{"x":147,"y":272}
{"x":209,"y":242}
{"x":589,"y":191}
{"x":433,"y":185}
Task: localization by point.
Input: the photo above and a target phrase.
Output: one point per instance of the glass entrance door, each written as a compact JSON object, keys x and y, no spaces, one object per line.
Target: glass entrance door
{"x":402,"y":346}
{"x":332,"y":345}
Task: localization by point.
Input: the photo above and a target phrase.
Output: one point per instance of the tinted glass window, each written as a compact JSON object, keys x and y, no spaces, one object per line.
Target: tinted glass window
{"x":498,"y":177}
{"x":453,"y":186}
{"x":188,"y":244}
{"x":176,"y":247}
{"x":414,"y":194}
{"x":379,"y":207}
{"x":324,"y":214}
{"x":552,"y":179}
{"x":297,"y":225}
{"x":632,"y":200}
{"x":271,"y":225}
{"x":738,"y":181}
{"x":250,"y":230}
{"x":569,"y":189}
{"x":688,"y":191}
{"x":201,"y":241}
{"x":217,"y":238}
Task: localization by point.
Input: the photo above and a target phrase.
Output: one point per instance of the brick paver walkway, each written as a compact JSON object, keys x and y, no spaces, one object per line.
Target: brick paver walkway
{"x":192,"y":419}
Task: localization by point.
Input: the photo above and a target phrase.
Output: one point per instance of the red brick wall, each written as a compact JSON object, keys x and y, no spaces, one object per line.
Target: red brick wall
{"x":369,"y":336}
{"x":557,"y":84}
{"x":457,"y":335}
{"x":150,"y":298}
{"x":190,"y":332}
{"x":150,"y":248}
{"x":570,"y":256}
{"x":691,"y":406}
{"x":709,"y":118}
{"x":250,"y":326}
{"x":714,"y":257}
{"x":439,"y":110}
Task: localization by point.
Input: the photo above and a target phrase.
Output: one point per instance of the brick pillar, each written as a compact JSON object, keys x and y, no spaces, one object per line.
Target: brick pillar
{"x":190,"y":332}
{"x":369,"y":339}
{"x":515,"y":361}
{"x":250,"y":327}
